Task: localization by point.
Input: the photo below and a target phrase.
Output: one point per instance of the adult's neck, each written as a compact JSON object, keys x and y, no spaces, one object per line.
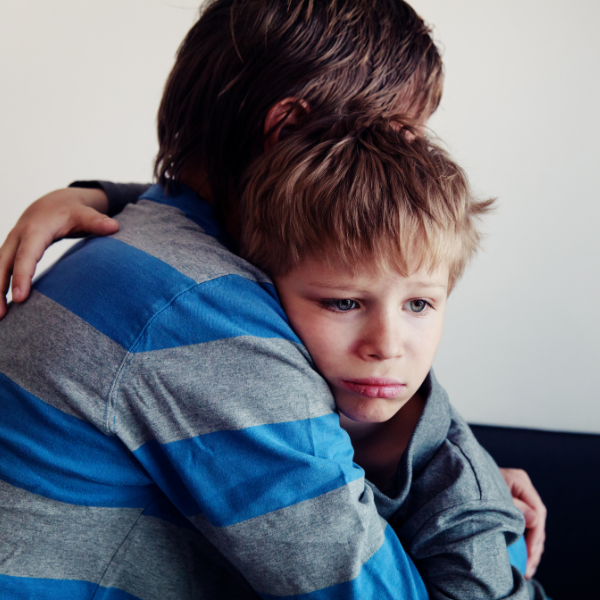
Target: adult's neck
{"x":198,"y":181}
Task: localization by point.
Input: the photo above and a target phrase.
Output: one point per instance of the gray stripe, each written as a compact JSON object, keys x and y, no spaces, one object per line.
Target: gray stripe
{"x":285,"y":552}
{"x":72,"y":369}
{"x":49,"y":539}
{"x":227,"y":384}
{"x":113,"y":547}
{"x":159,"y":561}
{"x":167,"y":234}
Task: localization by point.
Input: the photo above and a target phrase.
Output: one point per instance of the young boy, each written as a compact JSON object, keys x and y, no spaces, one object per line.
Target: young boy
{"x":365,"y":231}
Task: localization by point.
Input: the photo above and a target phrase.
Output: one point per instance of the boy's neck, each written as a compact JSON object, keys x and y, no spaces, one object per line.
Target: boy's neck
{"x":378,"y":447}
{"x":357,"y":430}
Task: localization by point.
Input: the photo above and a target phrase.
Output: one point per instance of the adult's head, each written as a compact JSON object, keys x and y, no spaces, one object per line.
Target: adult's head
{"x":248,"y":65}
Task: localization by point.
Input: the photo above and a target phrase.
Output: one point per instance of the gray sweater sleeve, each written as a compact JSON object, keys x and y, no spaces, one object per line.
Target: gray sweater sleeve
{"x":459,"y":538}
{"x":119,"y":194}
{"x":453,"y":511}
{"x":459,"y":533}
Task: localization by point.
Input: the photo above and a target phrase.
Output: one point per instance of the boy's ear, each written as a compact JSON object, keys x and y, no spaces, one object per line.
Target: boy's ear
{"x":281,"y":116}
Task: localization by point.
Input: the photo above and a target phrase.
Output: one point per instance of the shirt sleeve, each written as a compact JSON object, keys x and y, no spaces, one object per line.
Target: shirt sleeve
{"x":458,"y":521}
{"x":119,"y":194}
{"x":462,"y":552}
{"x":221,"y":405}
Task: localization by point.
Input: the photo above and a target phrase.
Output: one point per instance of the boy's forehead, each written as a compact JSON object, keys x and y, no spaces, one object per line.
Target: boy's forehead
{"x":327,"y":273}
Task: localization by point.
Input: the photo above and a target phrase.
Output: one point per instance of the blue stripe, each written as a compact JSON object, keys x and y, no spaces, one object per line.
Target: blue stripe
{"x":232,"y":476}
{"x":24,"y":588}
{"x":196,"y":209}
{"x":517,"y":553}
{"x":58,"y":456}
{"x":389,"y":574}
{"x":114,"y":287}
{"x":118,"y":290}
{"x":227,"y":307}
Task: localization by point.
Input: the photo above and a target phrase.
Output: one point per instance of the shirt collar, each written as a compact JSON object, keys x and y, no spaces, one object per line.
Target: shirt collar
{"x":195,"y":208}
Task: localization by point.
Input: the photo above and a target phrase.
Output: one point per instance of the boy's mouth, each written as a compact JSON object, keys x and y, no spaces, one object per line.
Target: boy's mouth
{"x":374,"y":387}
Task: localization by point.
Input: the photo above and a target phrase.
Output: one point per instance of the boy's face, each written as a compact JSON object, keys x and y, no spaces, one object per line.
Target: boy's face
{"x":372,"y":336}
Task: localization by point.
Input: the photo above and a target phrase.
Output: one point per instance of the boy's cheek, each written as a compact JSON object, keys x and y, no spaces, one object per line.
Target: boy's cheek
{"x":326,"y":344}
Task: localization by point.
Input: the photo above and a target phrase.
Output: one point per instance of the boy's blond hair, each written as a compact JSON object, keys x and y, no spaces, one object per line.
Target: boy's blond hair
{"x":382,"y":193}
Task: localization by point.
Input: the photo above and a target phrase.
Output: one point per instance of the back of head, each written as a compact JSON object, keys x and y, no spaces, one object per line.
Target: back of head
{"x":372,"y":58}
{"x":345,"y":192}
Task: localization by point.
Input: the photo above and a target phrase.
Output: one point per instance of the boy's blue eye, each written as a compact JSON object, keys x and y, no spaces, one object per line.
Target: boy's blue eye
{"x":417,"y":306}
{"x":343,"y":305}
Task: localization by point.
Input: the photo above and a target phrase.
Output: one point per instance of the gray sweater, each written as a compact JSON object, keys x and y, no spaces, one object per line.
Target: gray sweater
{"x":453,"y":511}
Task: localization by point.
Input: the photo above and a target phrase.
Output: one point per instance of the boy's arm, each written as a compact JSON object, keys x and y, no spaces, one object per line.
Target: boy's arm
{"x":76,"y":211}
{"x":462,"y":552}
{"x":457,"y":519}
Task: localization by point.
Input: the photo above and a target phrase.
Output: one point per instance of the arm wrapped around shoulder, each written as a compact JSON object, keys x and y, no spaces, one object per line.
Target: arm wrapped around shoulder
{"x":458,"y":521}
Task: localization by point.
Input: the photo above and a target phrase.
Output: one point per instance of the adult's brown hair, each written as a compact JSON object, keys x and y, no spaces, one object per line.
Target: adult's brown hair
{"x":370,"y":58}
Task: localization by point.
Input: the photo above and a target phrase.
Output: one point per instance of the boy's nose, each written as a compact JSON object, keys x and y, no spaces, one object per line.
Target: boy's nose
{"x":382,"y":340}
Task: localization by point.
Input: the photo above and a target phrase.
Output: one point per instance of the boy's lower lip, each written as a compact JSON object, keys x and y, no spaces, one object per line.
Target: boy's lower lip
{"x":374,"y":390}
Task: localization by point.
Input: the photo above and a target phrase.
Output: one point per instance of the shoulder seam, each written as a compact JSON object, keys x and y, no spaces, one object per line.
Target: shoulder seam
{"x":113,"y":394}
{"x":473,"y":470}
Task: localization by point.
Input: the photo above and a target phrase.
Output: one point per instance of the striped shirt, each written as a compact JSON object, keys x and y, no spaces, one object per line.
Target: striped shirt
{"x":164,"y":434}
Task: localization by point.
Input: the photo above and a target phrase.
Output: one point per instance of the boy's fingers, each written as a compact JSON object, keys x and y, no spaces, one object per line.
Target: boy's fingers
{"x":528,"y":494}
{"x":58,"y":214}
{"x":7,"y":259}
{"x":529,"y":502}
{"x":535,"y":549}
{"x":535,"y":536}
{"x":104,"y":226}
{"x":530,"y":515}
{"x":88,"y":220}
{"x":21,"y":253}
{"x":522,"y":489}
{"x":29,"y":252}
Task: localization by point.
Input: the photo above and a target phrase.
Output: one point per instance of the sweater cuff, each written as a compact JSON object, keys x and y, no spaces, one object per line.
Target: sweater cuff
{"x":119,"y":194}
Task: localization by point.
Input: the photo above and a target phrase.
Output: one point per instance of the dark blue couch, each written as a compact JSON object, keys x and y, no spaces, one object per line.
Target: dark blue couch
{"x":565,"y":469}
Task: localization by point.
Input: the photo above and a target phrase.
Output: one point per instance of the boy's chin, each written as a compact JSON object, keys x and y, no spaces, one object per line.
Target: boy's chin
{"x":371,"y":410}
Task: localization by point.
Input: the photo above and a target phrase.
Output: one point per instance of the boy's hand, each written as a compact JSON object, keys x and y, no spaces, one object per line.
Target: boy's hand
{"x":69,"y":212}
{"x":528,"y":501}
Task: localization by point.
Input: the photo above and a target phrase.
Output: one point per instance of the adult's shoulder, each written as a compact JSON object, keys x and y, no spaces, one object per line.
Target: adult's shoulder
{"x":162,"y":277}
{"x":193,"y":244}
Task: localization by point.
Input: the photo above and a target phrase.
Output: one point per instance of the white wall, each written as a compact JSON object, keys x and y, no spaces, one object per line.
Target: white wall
{"x":520,"y":113}
{"x":81,"y":81}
